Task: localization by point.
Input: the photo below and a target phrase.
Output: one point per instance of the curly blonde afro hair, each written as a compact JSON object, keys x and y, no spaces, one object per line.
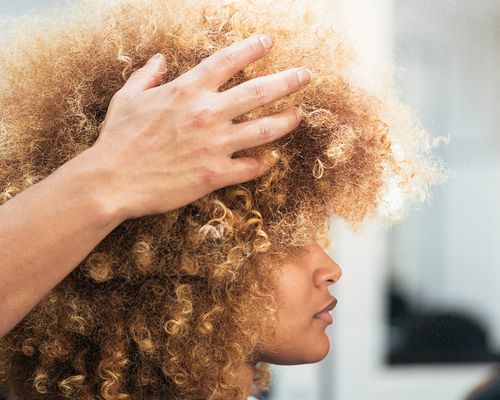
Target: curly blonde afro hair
{"x":170,"y":306}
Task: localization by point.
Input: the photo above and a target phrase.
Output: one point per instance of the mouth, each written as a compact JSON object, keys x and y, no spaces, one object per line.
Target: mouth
{"x":325,"y":314}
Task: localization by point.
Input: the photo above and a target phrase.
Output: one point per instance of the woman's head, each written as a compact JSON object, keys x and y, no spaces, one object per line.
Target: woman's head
{"x":172,"y":305}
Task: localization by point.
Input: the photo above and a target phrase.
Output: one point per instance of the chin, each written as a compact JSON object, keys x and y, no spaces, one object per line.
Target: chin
{"x":309,"y":352}
{"x":318,"y":351}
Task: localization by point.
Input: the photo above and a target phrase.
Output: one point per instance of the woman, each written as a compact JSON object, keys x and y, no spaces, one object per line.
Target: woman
{"x":204,"y":261}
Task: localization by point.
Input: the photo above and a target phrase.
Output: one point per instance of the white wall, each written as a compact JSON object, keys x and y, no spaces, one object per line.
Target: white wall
{"x":430,"y":272}
{"x":449,"y":254}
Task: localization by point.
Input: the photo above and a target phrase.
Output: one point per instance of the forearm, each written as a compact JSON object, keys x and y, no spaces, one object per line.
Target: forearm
{"x":47,"y":230}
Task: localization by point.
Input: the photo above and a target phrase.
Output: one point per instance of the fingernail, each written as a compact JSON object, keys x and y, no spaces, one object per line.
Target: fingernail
{"x":304,"y":76}
{"x":266,"y":40}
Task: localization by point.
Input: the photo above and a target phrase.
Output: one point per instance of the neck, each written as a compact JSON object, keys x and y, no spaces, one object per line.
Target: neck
{"x":247,"y":373}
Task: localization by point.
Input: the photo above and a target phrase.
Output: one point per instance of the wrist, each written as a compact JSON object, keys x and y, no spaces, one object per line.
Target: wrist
{"x":96,"y":179}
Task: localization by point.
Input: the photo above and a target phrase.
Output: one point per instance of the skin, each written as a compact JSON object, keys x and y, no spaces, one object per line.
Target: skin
{"x":301,"y":292}
{"x":172,"y":141}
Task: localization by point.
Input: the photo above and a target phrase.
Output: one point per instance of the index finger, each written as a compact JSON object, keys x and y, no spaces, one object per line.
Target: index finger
{"x":219,"y":67}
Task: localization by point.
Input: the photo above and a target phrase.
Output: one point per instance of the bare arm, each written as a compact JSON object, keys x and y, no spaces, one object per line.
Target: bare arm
{"x":45,"y":231}
{"x":160,"y":148}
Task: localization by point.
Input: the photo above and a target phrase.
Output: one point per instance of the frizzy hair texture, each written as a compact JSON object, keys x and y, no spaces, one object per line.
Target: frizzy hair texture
{"x":170,"y":306}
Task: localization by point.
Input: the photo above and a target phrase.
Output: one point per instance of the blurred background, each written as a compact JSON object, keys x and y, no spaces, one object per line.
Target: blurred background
{"x":419,"y":303}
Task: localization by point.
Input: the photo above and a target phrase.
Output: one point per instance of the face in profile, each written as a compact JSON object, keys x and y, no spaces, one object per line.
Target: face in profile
{"x":304,"y":302}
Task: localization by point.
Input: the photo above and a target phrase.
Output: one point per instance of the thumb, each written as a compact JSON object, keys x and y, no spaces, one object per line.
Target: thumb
{"x":147,"y":76}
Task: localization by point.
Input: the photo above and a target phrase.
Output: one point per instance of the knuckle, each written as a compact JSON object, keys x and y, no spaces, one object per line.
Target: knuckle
{"x":178,"y":90}
{"x":228,"y":58}
{"x":253,"y":167}
{"x":203,"y":117}
{"x":205,"y":151}
{"x":258,"y":92}
{"x":210,"y":176}
{"x":266,"y":130}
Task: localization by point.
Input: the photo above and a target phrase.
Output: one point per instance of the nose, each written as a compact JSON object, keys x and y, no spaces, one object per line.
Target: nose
{"x":328,"y":274}
{"x":327,"y":271}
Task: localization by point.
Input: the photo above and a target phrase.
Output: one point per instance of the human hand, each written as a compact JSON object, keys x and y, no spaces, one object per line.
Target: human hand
{"x":166,"y":146}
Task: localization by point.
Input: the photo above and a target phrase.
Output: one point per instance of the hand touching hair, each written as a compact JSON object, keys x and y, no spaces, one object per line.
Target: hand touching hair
{"x":192,"y":134}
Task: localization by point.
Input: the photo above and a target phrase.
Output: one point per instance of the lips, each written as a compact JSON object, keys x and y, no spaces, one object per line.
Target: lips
{"x":325,"y":314}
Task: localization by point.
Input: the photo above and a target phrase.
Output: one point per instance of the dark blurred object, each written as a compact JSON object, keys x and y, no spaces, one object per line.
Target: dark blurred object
{"x":489,"y":389}
{"x":431,"y":337}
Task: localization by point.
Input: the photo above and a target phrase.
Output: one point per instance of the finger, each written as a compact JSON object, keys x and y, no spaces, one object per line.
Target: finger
{"x":244,"y":169}
{"x":147,"y":76}
{"x":259,"y":91}
{"x":263,"y":130}
{"x":218,"y":68}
